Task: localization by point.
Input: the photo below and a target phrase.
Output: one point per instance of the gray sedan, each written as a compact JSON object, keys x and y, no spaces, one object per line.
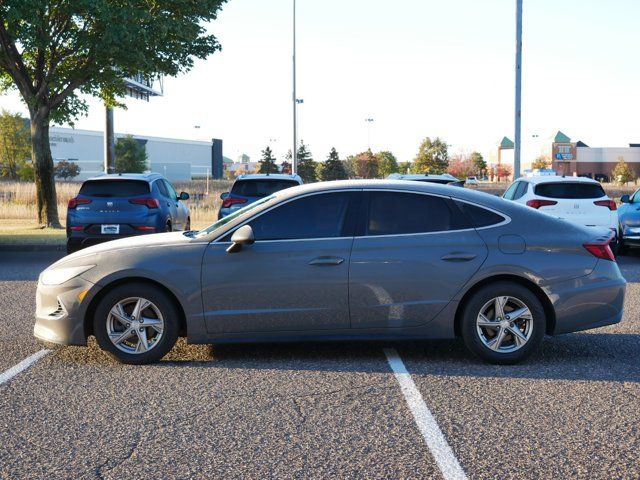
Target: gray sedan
{"x":341,"y":261}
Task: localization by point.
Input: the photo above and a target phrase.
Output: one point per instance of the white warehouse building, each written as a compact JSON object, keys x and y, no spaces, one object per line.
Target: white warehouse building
{"x":178,"y":160}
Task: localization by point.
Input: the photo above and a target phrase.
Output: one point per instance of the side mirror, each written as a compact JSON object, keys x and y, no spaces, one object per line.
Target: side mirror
{"x":242,"y":236}
{"x":625,"y":199}
{"x":183,"y":196}
{"x":224,"y":195}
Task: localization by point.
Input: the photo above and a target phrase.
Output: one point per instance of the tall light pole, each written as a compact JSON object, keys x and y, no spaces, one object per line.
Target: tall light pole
{"x":369,"y":122}
{"x":294,"y":150}
{"x":516,"y":151}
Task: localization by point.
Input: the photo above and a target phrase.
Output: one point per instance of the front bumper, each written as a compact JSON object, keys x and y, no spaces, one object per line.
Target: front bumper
{"x":592,"y":301}
{"x":60,"y":311}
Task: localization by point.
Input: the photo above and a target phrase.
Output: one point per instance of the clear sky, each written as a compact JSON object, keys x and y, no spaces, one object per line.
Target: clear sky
{"x":418,"y":67}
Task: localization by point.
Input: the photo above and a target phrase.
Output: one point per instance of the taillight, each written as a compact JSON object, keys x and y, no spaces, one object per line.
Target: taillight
{"x":227,"y":202}
{"x":144,"y":228}
{"x":77,"y":228}
{"x":600,"y":250}
{"x":610,"y":204}
{"x":148,"y":202}
{"x":74,"y":202}
{"x":540,"y":203}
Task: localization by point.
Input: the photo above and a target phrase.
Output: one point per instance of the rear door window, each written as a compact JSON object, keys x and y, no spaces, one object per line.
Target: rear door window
{"x":508,"y":195}
{"x":260,"y":188}
{"x":114,"y":188}
{"x":162,"y":188}
{"x":521,"y":190}
{"x":172,"y":193}
{"x":395,"y":213}
{"x":479,"y":217}
{"x":569,"y":190}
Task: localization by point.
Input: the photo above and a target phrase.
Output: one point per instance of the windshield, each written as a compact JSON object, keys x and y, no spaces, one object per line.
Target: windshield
{"x":114,"y":188}
{"x":570,"y":190}
{"x":223,"y":221}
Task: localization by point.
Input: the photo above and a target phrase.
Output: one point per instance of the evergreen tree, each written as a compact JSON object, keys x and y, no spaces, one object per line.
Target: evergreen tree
{"x":333,"y":168}
{"x":267,"y":163}
{"x":433,"y":157}
{"x":306,"y":165}
{"x":479,"y":164}
{"x":131,"y":156}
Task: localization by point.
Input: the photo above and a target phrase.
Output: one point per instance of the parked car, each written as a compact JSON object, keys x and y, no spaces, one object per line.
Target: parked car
{"x":443,"y":179}
{"x":121,"y":205}
{"x":250,"y":188}
{"x":471,"y":181}
{"x":629,"y":221}
{"x":343,"y":260}
{"x":576,"y":199}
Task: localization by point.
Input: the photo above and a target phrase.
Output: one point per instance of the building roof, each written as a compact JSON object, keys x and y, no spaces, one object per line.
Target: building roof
{"x":580,"y":143}
{"x":506,"y":143}
{"x":561,"y":138}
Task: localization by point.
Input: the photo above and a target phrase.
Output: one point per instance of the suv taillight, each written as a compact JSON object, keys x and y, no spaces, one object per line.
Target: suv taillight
{"x":600,"y":250}
{"x":540,"y":203}
{"x":148,"y":202}
{"x":610,"y":204}
{"x":74,"y":202}
{"x":227,"y":202}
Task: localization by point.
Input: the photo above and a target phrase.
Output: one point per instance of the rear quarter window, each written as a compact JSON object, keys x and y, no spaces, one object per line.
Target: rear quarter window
{"x":569,"y":190}
{"x":114,"y":188}
{"x":260,"y":188}
{"x":479,"y":216}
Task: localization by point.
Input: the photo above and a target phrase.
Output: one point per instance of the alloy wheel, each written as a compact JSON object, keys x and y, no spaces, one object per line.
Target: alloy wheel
{"x":135,"y":325}
{"x":504,"y":324}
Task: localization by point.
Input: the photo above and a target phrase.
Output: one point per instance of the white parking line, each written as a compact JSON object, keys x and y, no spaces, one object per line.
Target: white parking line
{"x":440,"y":449}
{"x":23,"y":365}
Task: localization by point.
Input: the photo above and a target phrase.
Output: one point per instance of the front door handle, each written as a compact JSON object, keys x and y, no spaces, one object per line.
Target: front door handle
{"x":458,"y":257}
{"x":326,"y":261}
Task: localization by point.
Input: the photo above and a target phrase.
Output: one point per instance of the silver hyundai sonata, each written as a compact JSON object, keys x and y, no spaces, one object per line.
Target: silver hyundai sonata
{"x":341,"y":261}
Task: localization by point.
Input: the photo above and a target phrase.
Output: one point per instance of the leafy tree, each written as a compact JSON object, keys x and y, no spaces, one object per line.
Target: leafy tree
{"x":267,"y":162}
{"x":306,"y":165}
{"x":541,"y":162}
{"x":404,"y":167}
{"x":432,"y":157}
{"x":15,"y":146}
{"x":503,"y":172}
{"x":333,"y":168}
{"x":66,"y":170}
{"x":52,"y":51}
{"x":461,"y":166}
{"x":349,"y":165}
{"x":131,"y":156}
{"x":367,"y":165}
{"x":479,"y":164}
{"x":27,"y":173}
{"x":387,"y":163}
{"x":622,"y":173}
{"x":286,"y":165}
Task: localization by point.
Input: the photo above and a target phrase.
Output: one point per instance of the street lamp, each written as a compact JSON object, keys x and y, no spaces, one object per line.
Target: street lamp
{"x":518,"y":113}
{"x":294,"y":151}
{"x":369,"y":121}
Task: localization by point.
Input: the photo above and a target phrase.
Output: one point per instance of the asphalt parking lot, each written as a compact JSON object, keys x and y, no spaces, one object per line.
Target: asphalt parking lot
{"x":316,"y":410}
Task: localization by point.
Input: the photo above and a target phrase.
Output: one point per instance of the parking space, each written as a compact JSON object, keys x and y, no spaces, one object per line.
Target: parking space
{"x":316,"y":410}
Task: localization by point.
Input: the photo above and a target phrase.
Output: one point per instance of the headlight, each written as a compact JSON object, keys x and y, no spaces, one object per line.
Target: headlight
{"x":56,"y":276}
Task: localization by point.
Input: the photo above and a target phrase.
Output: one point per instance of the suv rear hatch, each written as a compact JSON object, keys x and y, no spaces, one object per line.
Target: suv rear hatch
{"x":580,"y":202}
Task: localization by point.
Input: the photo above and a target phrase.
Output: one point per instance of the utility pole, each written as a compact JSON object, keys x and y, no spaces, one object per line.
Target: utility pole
{"x":294,"y":151}
{"x":516,"y":151}
{"x":109,"y":142}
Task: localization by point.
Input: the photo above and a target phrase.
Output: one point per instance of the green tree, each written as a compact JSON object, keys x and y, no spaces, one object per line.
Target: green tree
{"x":131,"y":156}
{"x":15,"y":146}
{"x":404,"y":167}
{"x":541,"y":162}
{"x":479,"y":164}
{"x":349,"y":165}
{"x":306,"y":165}
{"x":622,"y":173}
{"x":66,"y":170}
{"x":267,"y":162}
{"x":333,"y":168}
{"x":367,"y":165}
{"x":52,"y":51}
{"x":387,"y":164}
{"x":432,"y":157}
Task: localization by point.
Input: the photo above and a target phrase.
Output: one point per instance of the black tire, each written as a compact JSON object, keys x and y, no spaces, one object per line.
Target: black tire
{"x":187,"y":226}
{"x":473,"y":308}
{"x":161,"y":301}
{"x":168,"y":227}
{"x":617,"y":246}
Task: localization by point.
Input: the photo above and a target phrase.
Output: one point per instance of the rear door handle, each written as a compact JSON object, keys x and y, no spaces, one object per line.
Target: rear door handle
{"x":458,"y":257}
{"x":326,"y":261}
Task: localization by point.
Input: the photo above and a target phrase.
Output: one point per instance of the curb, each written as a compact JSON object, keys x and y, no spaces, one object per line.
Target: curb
{"x":32,"y":247}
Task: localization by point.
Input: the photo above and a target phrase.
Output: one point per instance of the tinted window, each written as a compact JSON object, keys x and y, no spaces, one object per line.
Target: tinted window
{"x":172,"y":193}
{"x":569,"y":190}
{"x":315,"y":216}
{"x":260,"y":188}
{"x":163,"y":189}
{"x":508,"y":195}
{"x":479,"y":217}
{"x":114,"y":188}
{"x":392,"y":213}
{"x":521,"y":190}
{"x":635,"y":197}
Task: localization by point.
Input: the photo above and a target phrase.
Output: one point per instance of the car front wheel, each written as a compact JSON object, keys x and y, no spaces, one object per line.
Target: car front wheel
{"x":503,"y":323}
{"x":136,"y":323}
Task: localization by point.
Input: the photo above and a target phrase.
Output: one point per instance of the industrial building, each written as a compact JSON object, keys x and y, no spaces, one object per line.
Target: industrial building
{"x":178,"y":160}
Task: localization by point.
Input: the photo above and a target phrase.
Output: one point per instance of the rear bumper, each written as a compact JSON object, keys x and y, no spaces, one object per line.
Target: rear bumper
{"x":592,"y":301}
{"x":631,"y":240}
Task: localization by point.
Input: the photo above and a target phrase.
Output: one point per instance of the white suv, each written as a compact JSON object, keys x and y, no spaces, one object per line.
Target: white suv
{"x":576,"y":199}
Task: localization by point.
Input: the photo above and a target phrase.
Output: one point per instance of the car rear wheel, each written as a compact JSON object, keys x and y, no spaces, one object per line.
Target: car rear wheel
{"x":168,"y":227}
{"x":503,"y":323}
{"x":187,"y":226}
{"x":136,"y":323}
